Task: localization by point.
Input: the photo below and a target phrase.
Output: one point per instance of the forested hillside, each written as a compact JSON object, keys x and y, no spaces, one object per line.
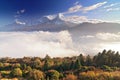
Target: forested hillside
{"x":103,"y":66}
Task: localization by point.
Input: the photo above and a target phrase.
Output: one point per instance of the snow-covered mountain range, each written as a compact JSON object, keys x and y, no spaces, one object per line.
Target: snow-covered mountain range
{"x":58,"y":23}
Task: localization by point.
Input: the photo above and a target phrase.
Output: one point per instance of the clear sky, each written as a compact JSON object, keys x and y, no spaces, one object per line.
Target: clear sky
{"x":93,"y":9}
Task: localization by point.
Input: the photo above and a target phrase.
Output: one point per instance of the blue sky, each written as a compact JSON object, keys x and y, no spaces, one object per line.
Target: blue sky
{"x":92,"y":9}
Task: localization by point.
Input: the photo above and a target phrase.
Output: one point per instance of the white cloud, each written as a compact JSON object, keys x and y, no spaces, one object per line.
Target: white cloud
{"x":111,"y":5}
{"x":77,"y":7}
{"x":81,"y":19}
{"x":109,"y":36}
{"x":21,"y":11}
{"x":112,"y":9}
{"x":87,"y":36}
{"x":113,"y":46}
{"x":76,"y":3}
{"x":93,"y":7}
{"x":19,"y":22}
{"x":19,"y":44}
{"x":77,"y":19}
{"x":92,"y":44}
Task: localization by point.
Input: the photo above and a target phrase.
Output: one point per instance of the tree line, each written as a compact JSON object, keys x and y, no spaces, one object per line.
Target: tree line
{"x":82,"y":67}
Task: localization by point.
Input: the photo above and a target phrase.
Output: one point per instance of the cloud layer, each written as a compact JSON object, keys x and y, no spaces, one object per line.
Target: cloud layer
{"x":19,"y":44}
{"x":100,"y":41}
{"x":109,"y":36}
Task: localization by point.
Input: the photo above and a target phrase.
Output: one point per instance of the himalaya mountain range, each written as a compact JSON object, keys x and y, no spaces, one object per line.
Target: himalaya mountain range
{"x":59,"y":23}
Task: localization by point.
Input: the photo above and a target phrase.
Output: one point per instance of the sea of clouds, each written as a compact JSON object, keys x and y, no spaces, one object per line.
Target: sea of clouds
{"x":19,"y":44}
{"x":55,"y":44}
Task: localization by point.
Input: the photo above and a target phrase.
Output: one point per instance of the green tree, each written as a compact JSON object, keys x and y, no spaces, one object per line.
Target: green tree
{"x":47,"y":65}
{"x":117,"y":59}
{"x":17,"y":72}
{"x":77,"y":64}
{"x":106,"y":68}
{"x":37,"y":64}
{"x":1,"y":65}
{"x":47,"y":57}
{"x":88,"y":60}
{"x":28,"y":68}
{"x":101,"y":58}
{"x":109,"y":58}
{"x":52,"y":75}
{"x":82,"y":59}
{"x":17,"y":65}
{"x":36,"y":75}
{"x":23,"y":66}
{"x":72,"y":65}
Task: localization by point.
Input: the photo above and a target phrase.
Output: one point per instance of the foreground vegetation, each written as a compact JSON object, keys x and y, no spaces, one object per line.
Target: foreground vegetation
{"x":103,"y":66}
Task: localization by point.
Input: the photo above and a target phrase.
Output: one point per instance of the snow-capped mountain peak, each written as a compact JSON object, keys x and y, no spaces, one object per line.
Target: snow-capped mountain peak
{"x":59,"y":19}
{"x":19,"y":22}
{"x":52,"y":18}
{"x":44,"y":19}
{"x":60,"y":16}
